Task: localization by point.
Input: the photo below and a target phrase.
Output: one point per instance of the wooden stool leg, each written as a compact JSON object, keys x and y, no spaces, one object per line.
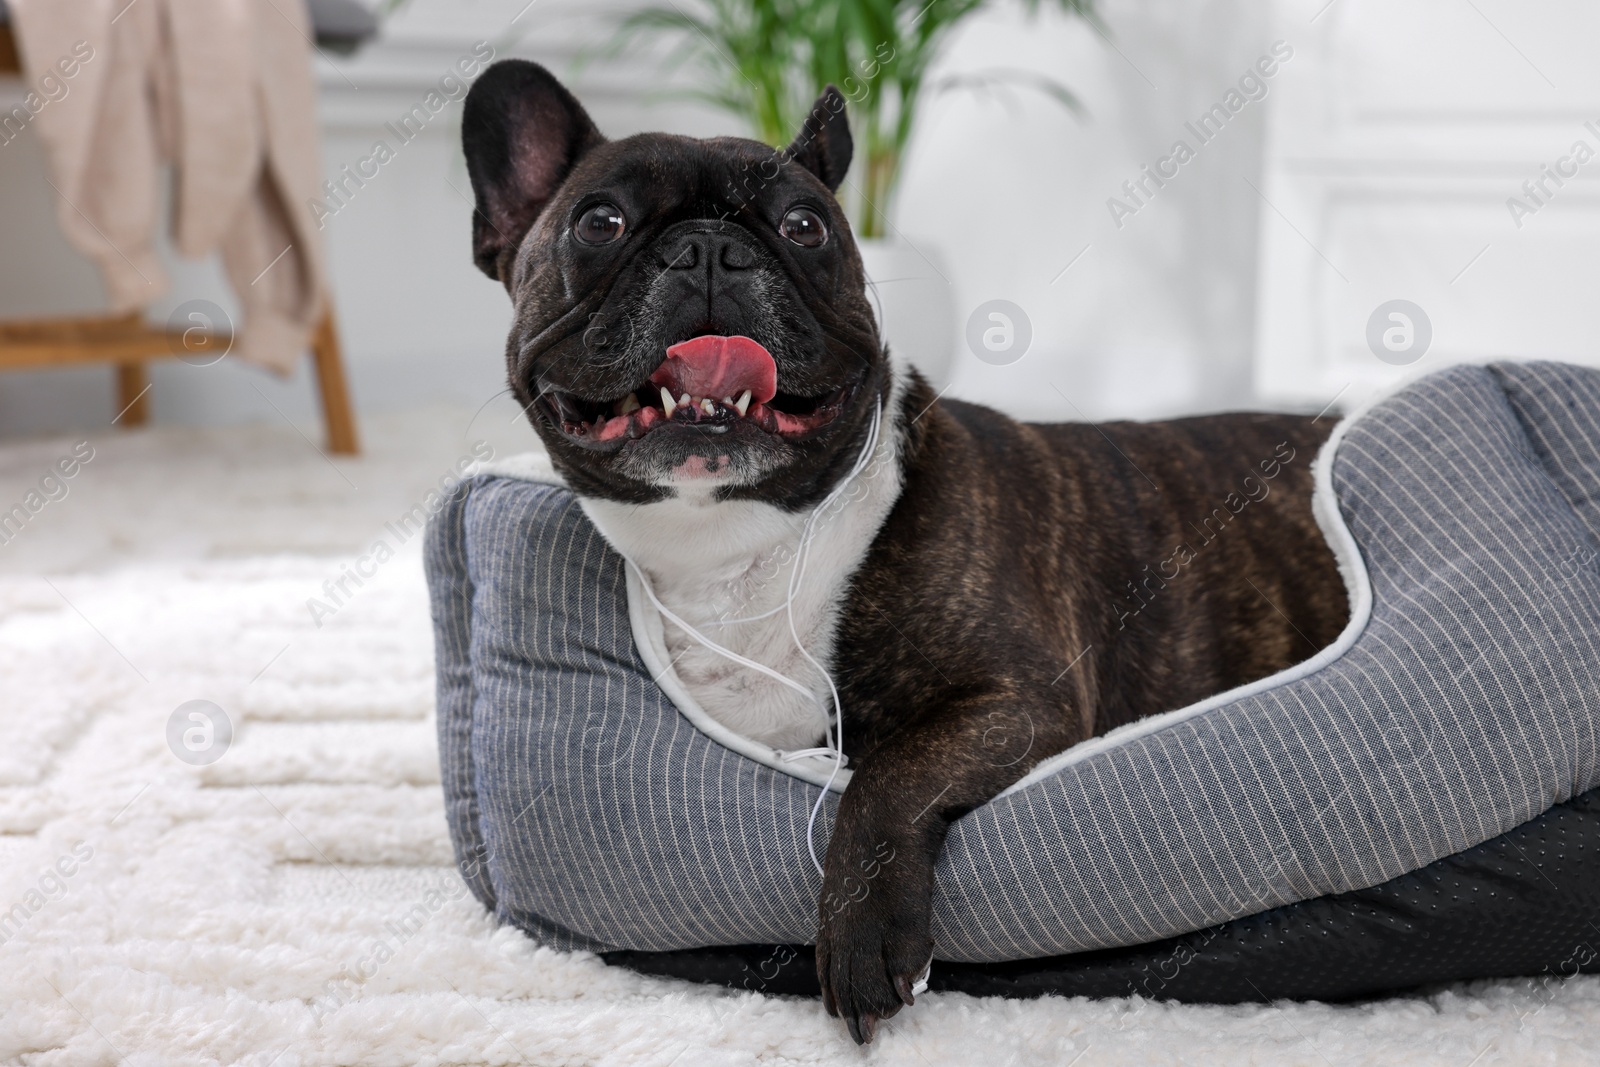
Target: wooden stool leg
{"x":133,"y":401}
{"x":337,"y":418}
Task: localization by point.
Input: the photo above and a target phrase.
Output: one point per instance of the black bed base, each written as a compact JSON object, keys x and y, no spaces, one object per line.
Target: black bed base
{"x":1526,"y":903}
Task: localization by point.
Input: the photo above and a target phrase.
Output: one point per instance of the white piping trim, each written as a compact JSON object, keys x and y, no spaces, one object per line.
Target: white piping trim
{"x":651,"y":641}
{"x":1358,"y":587}
{"x":1357,"y":584}
{"x":531,"y":466}
{"x":650,"y":638}
{"x":649,"y":635}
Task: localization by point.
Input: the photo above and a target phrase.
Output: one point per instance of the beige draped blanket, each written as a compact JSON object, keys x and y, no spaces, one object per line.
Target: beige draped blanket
{"x":222,"y":91}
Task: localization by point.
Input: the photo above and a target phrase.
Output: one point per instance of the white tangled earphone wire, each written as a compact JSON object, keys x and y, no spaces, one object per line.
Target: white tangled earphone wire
{"x":834,"y":749}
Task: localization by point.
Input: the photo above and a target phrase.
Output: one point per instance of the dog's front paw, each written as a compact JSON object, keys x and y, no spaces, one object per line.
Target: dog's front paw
{"x":873,"y":946}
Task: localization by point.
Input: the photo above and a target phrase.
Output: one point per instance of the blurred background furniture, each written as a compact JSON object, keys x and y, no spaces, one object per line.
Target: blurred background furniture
{"x":128,"y":341}
{"x":1214,"y":296}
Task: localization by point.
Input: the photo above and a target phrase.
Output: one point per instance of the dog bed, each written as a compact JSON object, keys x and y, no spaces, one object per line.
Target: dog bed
{"x":592,"y":804}
{"x":1522,"y":903}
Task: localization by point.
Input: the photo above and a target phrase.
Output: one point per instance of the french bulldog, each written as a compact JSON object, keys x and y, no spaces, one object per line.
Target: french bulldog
{"x":694,"y":343}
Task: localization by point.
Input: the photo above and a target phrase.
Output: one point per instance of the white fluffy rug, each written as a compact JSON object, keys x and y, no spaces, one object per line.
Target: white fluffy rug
{"x":293,"y":903}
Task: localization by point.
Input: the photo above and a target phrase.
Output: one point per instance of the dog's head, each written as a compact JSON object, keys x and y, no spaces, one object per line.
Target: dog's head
{"x":688,"y":312}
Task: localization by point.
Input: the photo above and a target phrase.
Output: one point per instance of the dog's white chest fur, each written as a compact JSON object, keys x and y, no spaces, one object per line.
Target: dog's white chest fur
{"x":713,"y":564}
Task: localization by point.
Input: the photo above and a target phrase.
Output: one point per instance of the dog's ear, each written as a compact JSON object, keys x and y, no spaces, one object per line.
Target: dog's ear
{"x":824,"y":146}
{"x":522,"y":132}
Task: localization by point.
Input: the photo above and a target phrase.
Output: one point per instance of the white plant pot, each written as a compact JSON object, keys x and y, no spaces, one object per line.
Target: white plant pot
{"x":909,"y":290}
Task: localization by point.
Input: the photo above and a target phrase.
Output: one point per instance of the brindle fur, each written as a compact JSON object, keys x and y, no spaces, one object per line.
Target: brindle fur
{"x":1008,"y":558}
{"x":1023,"y":594}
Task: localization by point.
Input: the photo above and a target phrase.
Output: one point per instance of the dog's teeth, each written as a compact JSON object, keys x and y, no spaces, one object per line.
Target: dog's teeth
{"x":668,"y":405}
{"x":630,"y":404}
{"x":743,"y":403}
{"x":685,"y":400}
{"x":599,"y":421}
{"x":708,"y":405}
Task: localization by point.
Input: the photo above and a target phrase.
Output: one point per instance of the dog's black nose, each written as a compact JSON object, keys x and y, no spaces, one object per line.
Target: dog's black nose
{"x":690,"y":250}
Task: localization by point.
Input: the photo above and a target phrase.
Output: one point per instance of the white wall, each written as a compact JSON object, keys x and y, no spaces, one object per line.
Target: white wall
{"x":1156,"y":317}
{"x":1402,"y":135}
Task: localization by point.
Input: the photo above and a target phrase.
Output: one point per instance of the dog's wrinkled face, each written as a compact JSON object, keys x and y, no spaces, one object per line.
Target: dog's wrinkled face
{"x":689,"y":313}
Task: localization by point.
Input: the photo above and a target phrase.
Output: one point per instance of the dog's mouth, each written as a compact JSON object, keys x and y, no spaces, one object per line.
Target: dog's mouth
{"x":713,"y":383}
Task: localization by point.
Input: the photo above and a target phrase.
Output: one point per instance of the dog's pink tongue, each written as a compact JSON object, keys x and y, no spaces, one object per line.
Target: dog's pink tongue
{"x":718,"y":367}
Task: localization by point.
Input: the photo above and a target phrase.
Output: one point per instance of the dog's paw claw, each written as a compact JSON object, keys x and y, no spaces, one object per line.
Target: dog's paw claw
{"x":864,"y":976}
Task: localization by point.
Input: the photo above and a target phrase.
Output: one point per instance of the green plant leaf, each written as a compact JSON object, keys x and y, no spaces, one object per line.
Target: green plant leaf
{"x":993,"y":79}
{"x":769,"y":59}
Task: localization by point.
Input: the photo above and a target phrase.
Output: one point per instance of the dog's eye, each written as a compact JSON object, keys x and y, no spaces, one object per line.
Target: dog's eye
{"x":600,"y":225}
{"x":804,"y":227}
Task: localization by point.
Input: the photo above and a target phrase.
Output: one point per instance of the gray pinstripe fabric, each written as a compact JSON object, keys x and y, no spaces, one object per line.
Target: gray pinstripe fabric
{"x":588,"y":811}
